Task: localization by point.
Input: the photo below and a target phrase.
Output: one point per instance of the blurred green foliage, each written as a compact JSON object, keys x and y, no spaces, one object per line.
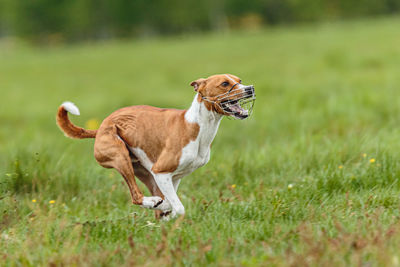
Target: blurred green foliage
{"x":75,"y":20}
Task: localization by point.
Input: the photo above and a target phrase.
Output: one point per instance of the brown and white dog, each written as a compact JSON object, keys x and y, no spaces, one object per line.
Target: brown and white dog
{"x":160,"y":146}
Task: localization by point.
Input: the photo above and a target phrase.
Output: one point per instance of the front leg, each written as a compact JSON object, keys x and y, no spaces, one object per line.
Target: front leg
{"x":176,"y":183}
{"x":166,"y":186}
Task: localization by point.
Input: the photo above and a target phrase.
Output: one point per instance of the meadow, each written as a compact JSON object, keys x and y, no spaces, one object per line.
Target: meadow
{"x":311,"y":179}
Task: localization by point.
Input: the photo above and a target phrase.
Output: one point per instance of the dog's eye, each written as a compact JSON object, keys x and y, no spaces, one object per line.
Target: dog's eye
{"x":225,"y":84}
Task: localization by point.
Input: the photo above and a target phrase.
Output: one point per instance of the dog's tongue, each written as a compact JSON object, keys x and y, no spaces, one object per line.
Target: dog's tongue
{"x":238,"y":109}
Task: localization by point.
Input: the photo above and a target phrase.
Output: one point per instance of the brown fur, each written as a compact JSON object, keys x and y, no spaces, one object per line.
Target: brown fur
{"x":211,"y":88}
{"x":69,"y":129}
{"x":160,"y":133}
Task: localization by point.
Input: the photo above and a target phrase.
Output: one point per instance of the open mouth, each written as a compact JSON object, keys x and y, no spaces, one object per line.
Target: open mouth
{"x":240,"y":108}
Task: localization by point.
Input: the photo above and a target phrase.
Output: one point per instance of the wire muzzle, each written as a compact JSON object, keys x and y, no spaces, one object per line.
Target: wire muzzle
{"x":236,"y":103}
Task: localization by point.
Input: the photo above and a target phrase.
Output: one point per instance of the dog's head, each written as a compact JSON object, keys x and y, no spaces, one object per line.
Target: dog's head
{"x":226,"y":95}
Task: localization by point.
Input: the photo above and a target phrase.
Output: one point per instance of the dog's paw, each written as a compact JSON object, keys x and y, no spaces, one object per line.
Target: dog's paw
{"x":151,"y":202}
{"x":165,"y":206}
{"x":169,"y":215}
{"x":166,"y":215}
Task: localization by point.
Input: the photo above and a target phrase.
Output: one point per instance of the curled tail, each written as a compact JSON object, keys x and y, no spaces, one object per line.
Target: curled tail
{"x":70,"y":130}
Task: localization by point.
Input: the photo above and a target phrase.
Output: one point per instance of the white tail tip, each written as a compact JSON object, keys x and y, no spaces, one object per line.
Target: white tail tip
{"x":71,"y":108}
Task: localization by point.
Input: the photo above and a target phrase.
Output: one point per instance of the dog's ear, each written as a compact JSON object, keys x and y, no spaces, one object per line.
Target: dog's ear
{"x":197,"y":83}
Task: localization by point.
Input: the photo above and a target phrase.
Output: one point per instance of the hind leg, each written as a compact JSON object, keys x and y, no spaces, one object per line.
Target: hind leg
{"x":111,"y":152}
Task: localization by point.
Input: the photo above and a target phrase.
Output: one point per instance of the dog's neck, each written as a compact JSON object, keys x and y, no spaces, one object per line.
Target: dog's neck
{"x":198,"y":113}
{"x":208,"y":120}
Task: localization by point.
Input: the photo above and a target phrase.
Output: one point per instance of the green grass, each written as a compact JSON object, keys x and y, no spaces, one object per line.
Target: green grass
{"x":293,"y":185}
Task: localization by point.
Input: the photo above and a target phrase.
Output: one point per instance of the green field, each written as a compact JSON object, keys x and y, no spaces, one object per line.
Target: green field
{"x":312,"y":178}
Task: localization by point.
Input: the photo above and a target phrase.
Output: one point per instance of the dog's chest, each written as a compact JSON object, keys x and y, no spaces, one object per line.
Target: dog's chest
{"x":197,"y":153}
{"x":192,"y":158}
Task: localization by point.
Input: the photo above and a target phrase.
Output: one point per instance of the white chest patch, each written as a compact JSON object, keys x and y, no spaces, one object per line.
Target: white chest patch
{"x":197,"y":153}
{"x":192,"y":158}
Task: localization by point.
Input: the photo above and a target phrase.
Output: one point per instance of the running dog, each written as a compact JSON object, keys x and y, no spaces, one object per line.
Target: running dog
{"x":161,"y":146}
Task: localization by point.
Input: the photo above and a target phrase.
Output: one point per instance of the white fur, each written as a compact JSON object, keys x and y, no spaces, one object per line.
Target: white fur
{"x":197,"y":152}
{"x":148,"y":165}
{"x":150,"y":202}
{"x":144,"y":160}
{"x":194,"y":155}
{"x":153,"y":201}
{"x":165,"y":183}
{"x":71,"y":108}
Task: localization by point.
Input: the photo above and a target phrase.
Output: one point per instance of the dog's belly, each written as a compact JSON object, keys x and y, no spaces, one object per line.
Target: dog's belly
{"x":191,"y":159}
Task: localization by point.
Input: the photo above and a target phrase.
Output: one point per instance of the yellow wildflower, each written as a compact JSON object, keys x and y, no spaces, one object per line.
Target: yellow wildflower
{"x":364,"y":155}
{"x":290,"y":186}
{"x":34,"y":200}
{"x":372,"y":160}
{"x":340,"y":167}
{"x":233,"y":186}
{"x":52,"y":201}
{"x":92,"y":124}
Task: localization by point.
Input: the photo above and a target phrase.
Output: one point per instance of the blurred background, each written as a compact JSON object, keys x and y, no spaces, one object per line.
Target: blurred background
{"x":47,"y":21}
{"x":321,"y":147}
{"x":319,"y":67}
